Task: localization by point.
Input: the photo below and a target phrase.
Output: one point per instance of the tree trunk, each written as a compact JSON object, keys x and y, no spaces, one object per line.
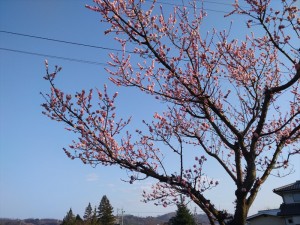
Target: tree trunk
{"x":240,"y":215}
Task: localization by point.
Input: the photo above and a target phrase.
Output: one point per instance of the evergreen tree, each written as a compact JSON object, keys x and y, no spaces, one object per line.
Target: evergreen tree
{"x":183,"y":216}
{"x":69,"y":219}
{"x":78,"y":220}
{"x":88,"y":214}
{"x":105,"y":212}
{"x":94,"y":217}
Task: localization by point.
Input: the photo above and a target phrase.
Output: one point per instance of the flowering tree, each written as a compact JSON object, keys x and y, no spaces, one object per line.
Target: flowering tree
{"x":223,"y":100}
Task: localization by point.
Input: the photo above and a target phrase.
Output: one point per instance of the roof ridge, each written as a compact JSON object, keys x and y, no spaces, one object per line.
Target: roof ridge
{"x":288,"y":187}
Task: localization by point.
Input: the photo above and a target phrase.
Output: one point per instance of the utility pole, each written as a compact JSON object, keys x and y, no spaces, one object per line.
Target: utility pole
{"x":122,"y":211}
{"x":118,"y":218}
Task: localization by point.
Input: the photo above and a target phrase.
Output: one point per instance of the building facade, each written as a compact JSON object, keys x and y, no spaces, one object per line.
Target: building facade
{"x":290,"y":208}
{"x":287,"y":214}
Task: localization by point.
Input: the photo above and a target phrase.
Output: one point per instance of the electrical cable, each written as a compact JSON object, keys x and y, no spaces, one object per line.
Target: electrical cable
{"x":62,"y":41}
{"x":69,"y":59}
{"x":100,"y":47}
{"x":205,"y":9}
{"x":55,"y":57}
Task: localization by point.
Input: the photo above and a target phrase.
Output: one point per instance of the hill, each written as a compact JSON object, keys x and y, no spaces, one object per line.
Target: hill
{"x":127,"y":220}
{"x":30,"y":221}
{"x":161,"y":220}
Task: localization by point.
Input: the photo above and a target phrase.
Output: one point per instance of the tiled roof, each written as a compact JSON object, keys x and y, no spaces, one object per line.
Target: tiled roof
{"x":290,"y":187}
{"x":269,"y":212}
{"x":289,"y":209}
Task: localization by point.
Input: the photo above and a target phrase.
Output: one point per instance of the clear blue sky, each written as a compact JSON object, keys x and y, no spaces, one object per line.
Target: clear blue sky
{"x":36,"y":178}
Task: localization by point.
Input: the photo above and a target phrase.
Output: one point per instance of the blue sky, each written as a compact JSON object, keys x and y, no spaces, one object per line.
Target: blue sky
{"x":36,"y":178}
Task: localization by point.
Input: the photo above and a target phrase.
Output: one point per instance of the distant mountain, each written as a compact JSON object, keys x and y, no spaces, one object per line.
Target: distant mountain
{"x":29,"y":222}
{"x":159,"y":220}
{"x":127,"y":220}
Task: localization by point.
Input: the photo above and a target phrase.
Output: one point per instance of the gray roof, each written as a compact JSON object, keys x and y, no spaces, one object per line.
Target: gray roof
{"x":269,"y":212}
{"x":288,"y":188}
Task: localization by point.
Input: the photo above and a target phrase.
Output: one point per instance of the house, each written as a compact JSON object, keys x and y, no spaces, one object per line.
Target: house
{"x":290,"y":208}
{"x":287,"y":214}
{"x":266,"y":217}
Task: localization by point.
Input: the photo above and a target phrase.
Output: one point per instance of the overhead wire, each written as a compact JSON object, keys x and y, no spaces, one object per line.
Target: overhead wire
{"x":62,"y":41}
{"x":58,"y":57}
{"x":214,"y":2}
{"x":65,"y":58}
{"x":200,"y":1}
{"x":96,"y":46}
{"x":205,"y":9}
{"x":80,"y":44}
{"x":54,"y":56}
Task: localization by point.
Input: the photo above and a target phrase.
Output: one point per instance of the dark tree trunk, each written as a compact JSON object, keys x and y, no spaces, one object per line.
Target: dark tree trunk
{"x":241,"y":212}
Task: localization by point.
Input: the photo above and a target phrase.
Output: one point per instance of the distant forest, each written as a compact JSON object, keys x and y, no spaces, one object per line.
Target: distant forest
{"x":29,"y":222}
{"x":127,"y":220}
{"x":103,"y":214}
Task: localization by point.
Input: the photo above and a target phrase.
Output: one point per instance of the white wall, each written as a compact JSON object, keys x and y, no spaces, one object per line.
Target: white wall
{"x":288,"y":198}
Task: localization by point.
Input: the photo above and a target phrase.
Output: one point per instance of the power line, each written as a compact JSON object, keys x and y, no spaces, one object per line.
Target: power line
{"x":66,"y":58}
{"x":101,"y":47}
{"x":217,"y":3}
{"x":55,"y":57}
{"x":95,"y":46}
{"x":200,"y":1}
{"x":62,"y":41}
{"x":205,"y":9}
{"x":204,"y":2}
{"x":66,"y":42}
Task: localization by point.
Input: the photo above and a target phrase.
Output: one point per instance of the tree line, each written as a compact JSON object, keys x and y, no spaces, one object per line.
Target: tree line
{"x":102,"y":215}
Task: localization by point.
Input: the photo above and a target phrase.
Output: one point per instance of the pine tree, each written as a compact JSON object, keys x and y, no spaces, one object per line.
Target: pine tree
{"x":183,"y":216}
{"x":105,"y":212}
{"x":78,"y":220}
{"x":69,"y":219}
{"x":88,"y":214}
{"x":95,"y":219}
